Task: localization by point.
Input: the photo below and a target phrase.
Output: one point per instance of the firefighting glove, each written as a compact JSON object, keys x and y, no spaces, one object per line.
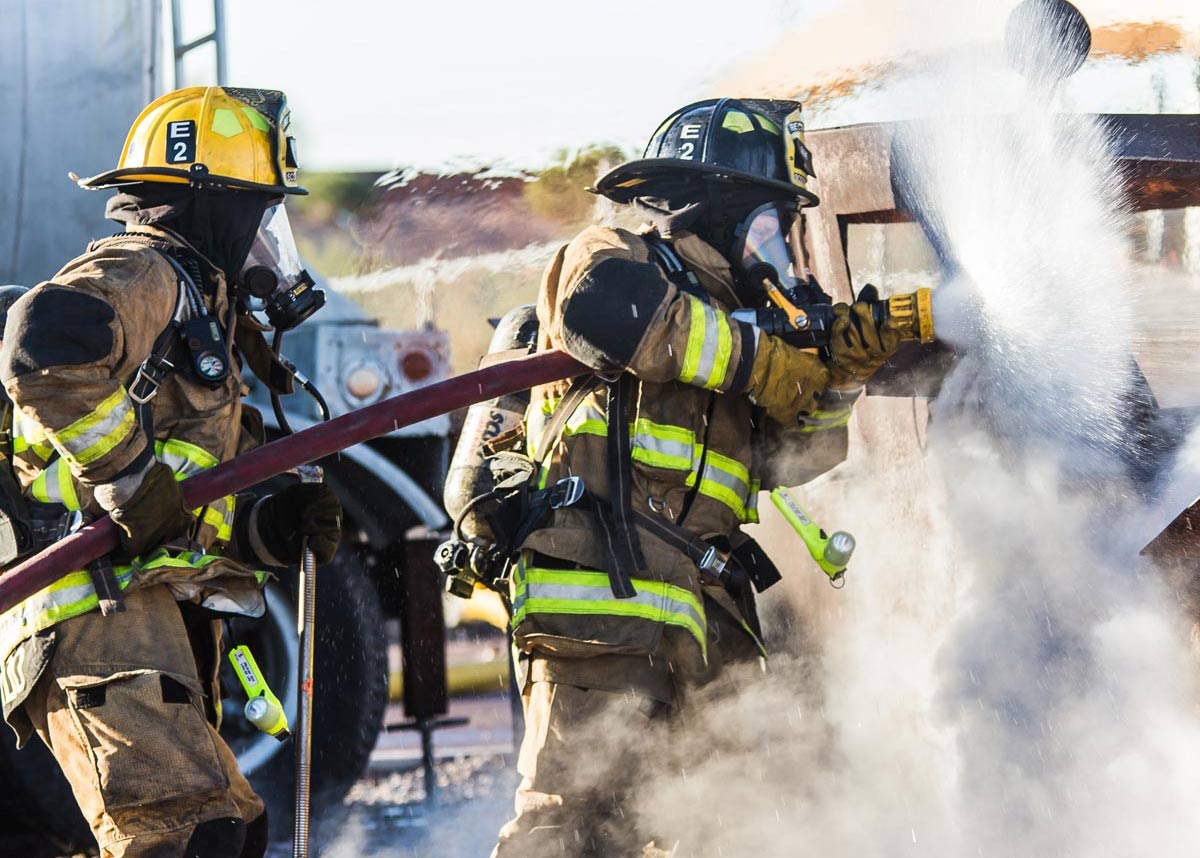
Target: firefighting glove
{"x":281,"y":523}
{"x":785,"y":380}
{"x":857,"y":345}
{"x":153,"y":514}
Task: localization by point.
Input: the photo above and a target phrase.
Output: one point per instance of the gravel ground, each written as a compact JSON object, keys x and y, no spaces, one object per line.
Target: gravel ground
{"x":385,"y":814}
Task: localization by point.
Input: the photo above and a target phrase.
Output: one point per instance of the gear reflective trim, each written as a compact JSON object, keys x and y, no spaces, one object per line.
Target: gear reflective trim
{"x":662,"y":446}
{"x":750,"y":514}
{"x":219,"y":515}
{"x":709,"y":346}
{"x":186,"y":459}
{"x":820,"y":420}
{"x":28,"y":437}
{"x":69,"y":596}
{"x":578,"y":591}
{"x":56,"y":484}
{"x":90,"y":438}
{"x":587,"y":419}
{"x":183,"y":458}
{"x":654,"y":444}
{"x":725,"y":480}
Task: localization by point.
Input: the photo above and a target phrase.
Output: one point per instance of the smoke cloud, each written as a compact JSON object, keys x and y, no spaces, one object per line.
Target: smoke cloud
{"x":1004,"y":675}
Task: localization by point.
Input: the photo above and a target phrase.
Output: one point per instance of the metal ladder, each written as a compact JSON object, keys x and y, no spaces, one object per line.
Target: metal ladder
{"x":216,"y":37}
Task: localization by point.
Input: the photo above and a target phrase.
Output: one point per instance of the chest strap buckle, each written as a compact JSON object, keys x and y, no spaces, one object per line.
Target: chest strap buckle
{"x":149,"y":378}
{"x":566,"y":492}
{"x":713,"y":561}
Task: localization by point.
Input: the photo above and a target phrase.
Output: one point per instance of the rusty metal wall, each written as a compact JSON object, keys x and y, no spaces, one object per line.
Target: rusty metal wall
{"x":73,"y":76}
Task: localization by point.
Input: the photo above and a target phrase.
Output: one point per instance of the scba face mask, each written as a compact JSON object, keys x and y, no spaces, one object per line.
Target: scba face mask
{"x":764,"y":249}
{"x":274,"y":277}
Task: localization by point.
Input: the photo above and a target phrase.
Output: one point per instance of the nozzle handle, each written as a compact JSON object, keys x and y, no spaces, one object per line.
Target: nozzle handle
{"x":913,"y":311}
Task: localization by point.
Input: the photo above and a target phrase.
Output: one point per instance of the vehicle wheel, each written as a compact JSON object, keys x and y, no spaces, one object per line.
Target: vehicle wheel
{"x":350,"y":688}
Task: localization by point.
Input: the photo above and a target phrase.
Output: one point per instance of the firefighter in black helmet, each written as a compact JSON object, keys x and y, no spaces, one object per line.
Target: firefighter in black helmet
{"x":642,"y":594}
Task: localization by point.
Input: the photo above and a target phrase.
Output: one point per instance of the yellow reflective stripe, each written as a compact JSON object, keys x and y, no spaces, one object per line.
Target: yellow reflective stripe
{"x":184,"y":458}
{"x":66,"y":487}
{"x":819,"y":421}
{"x":663,"y":446}
{"x":90,"y":438}
{"x":709,"y":346}
{"x":587,"y":592}
{"x":750,"y":515}
{"x":39,"y":488}
{"x":219,"y":515}
{"x":28,"y":437}
{"x":74,"y":594}
{"x":69,"y":596}
{"x":587,"y":419}
{"x":725,"y":480}
{"x":55,"y":484}
{"x":724,"y":351}
{"x":535,"y":423}
{"x":695,"y":342}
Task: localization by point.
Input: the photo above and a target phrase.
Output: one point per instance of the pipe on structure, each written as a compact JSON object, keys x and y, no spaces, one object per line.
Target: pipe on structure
{"x":100,"y":537}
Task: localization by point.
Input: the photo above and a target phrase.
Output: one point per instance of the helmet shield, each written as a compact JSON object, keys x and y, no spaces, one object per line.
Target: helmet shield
{"x":764,"y":238}
{"x":274,"y":276}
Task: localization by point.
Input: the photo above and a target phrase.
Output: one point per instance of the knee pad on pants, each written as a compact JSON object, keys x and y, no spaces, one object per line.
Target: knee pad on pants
{"x":216,"y":838}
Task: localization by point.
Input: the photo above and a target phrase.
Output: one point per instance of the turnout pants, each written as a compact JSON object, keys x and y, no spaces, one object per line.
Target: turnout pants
{"x":585,"y":749}
{"x":120,"y":706}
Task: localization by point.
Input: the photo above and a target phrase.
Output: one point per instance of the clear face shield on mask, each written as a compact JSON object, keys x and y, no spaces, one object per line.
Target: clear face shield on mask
{"x":764,"y":250}
{"x":274,"y":277}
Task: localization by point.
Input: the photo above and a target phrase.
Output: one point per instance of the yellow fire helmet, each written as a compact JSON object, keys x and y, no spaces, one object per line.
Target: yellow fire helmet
{"x":214,"y":136}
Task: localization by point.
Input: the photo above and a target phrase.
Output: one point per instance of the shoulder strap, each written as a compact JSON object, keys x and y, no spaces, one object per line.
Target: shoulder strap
{"x":674,"y":269}
{"x":579,"y":389}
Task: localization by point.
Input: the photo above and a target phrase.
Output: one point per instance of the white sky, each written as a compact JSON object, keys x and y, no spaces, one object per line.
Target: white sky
{"x":379,"y":83}
{"x":375,"y":84}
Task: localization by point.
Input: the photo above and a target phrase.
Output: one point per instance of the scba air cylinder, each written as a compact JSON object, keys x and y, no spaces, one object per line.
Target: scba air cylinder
{"x":469,"y":475}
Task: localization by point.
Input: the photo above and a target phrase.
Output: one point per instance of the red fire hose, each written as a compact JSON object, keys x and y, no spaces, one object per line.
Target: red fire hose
{"x":100,"y":537}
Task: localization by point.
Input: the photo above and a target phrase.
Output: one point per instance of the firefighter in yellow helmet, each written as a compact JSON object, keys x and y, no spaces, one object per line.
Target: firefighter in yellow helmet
{"x":641,"y":592}
{"x":125,"y":373}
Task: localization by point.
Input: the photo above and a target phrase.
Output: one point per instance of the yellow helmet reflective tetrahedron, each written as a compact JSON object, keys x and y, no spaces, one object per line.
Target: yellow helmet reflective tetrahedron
{"x":210,"y":137}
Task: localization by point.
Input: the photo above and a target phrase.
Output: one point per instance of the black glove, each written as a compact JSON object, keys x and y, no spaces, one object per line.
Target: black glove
{"x":153,"y":515}
{"x":301,"y":511}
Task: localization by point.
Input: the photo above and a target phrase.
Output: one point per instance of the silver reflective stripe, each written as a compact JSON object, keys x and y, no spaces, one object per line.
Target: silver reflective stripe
{"x":586,"y":419}
{"x":602,"y":594}
{"x":93,"y":436}
{"x":658,"y":452}
{"x":55,"y":484}
{"x":184,"y":458}
{"x":733,"y":482}
{"x":708,"y":353}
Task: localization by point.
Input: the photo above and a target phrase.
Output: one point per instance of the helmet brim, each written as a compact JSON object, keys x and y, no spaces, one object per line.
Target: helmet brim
{"x":171,"y":175}
{"x":628,"y":181}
